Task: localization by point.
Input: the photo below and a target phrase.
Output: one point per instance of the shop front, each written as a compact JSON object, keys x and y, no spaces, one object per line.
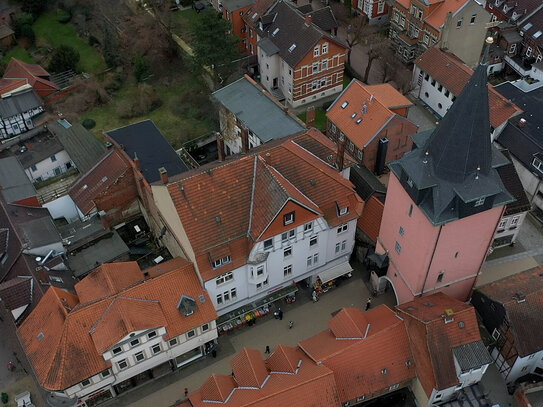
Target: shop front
{"x":328,"y":279}
{"x":99,"y":397}
{"x":189,"y":356}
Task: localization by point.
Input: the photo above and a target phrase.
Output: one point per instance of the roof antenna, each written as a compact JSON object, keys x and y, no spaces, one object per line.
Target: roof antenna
{"x":425,"y":159}
{"x":477,"y":174}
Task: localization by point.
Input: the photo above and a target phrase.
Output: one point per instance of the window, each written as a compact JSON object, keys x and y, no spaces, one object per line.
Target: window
{"x":440,"y":88}
{"x":251,"y":32}
{"x":410,"y":210}
{"x":315,"y":67}
{"x":313,"y":241}
{"x":351,"y":146}
{"x":447,"y":93}
{"x":410,"y":182}
{"x":325,"y":48}
{"x":333,"y":128}
{"x":394,"y":387}
{"x":495,"y":334}
{"x":426,"y":39}
{"x":402,"y":231}
{"x":309,"y":261}
{"x":288,"y":218}
{"x":259,"y":270}
{"x":342,"y":228}
{"x":381,"y":7}
{"x":315,"y":258}
{"x":317,"y":51}
{"x":259,"y":286}
{"x":268,"y":244}
{"x":172,"y":342}
{"x":53,"y":158}
{"x":290,"y":71}
{"x":440,"y":106}
{"x":140,"y":356}
{"x":156,"y":349}
{"x":398,"y":248}
{"x":472,"y":19}
{"x":344,"y":211}
{"x":420,"y":13}
{"x":223,"y":278}
{"x":287,"y":270}
{"x":117,"y":350}
{"x":343,"y":245}
{"x":151,"y":334}
{"x":105,"y":373}
{"x":440,"y":276}
{"x":85,"y":382}
{"x":191,"y":334}
{"x":524,"y":368}
{"x":221,"y":262}
{"x":529,"y":51}
{"x":502,"y":224}
{"x":308,"y":227}
{"x":33,"y":168}
{"x":205,"y":327}
{"x":337,"y":247}
{"x":219,"y":299}
{"x":459,"y":23}
{"x":479,"y":202}
{"x":122,"y":364}
{"x":288,"y":235}
{"x":233,"y":293}
{"x":287,"y":252}
{"x":134,"y":342}
{"x":538,"y":164}
{"x":359,"y":154}
{"x":514,"y":222}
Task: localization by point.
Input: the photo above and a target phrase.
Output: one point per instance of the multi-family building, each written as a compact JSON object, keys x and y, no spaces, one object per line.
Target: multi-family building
{"x":123,"y":327}
{"x":256,"y":224}
{"x":17,"y":112}
{"x":375,"y":10}
{"x":445,"y":201}
{"x":509,"y":309}
{"x":299,"y":61}
{"x":370,"y":122}
{"x":454,"y":25}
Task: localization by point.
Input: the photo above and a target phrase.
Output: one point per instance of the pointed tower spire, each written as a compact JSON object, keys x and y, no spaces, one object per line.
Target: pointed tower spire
{"x":460,"y":145}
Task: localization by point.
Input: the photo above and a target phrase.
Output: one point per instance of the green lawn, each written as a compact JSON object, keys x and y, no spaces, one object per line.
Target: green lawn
{"x":320,"y":119}
{"x":19,"y":53}
{"x":49,"y":32}
{"x":181,"y":21}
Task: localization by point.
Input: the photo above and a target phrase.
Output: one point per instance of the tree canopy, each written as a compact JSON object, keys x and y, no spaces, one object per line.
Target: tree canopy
{"x":64,"y":58}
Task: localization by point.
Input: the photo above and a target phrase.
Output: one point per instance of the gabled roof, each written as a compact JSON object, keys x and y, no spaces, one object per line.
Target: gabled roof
{"x":292,"y":37}
{"x":453,"y":74}
{"x":533,"y":16}
{"x":257,"y":110}
{"x":217,"y":388}
{"x":360,"y":115}
{"x":135,"y":140}
{"x":438,"y":17}
{"x":249,"y":368}
{"x":83,"y":147}
{"x":439,"y":327}
{"x":349,"y":323}
{"x":522,"y":297}
{"x":34,"y":74}
{"x":98,"y":179}
{"x":64,"y":338}
{"x":19,"y":103}
{"x":388,"y":96}
{"x":17,"y":292}
{"x":364,"y":366}
{"x":284,"y":359}
{"x":323,"y":18}
{"x":322,"y":147}
{"x":511,"y":181}
{"x":15,"y":184}
{"x":39,"y":232}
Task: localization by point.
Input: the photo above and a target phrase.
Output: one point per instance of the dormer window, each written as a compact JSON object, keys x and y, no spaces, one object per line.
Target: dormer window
{"x":187,"y":305}
{"x":288,"y":218}
{"x":538,"y":164}
{"x":221,"y":262}
{"x":479,"y":202}
{"x":343,"y":211}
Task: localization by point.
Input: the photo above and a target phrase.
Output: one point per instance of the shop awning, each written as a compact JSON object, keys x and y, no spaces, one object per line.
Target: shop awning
{"x":335,"y":272}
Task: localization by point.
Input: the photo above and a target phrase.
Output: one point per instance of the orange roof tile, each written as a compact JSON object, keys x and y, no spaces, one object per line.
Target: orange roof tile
{"x":370,"y":220}
{"x":365,"y":366}
{"x":98,"y":180}
{"x":432,"y":339}
{"x":34,"y":74}
{"x":349,"y":323}
{"x":66,"y":351}
{"x":388,"y":96}
{"x":249,"y":368}
{"x":375,"y":118}
{"x":217,"y":388}
{"x":437,"y":18}
{"x":310,"y":385}
{"x":321,"y":146}
{"x":453,"y":74}
{"x":284,"y":359}
{"x":108,"y":279}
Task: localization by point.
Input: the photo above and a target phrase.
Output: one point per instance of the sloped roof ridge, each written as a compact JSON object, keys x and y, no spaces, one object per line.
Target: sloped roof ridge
{"x":188,"y":175}
{"x":251,"y":207}
{"x":250,"y":360}
{"x":309,"y":152}
{"x":118,"y":298}
{"x":349,"y":316}
{"x":77,"y":181}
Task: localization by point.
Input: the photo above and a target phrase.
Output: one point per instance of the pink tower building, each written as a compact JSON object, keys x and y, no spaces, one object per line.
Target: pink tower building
{"x":444,"y":202}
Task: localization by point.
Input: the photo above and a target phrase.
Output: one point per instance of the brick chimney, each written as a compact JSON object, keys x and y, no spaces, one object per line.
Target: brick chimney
{"x":522,"y":122}
{"x":310,"y":116}
{"x":244,"y":141}
{"x":220,"y":147}
{"x":340,"y":154}
{"x":137,"y":161}
{"x":308,"y":20}
{"x":163,"y":175}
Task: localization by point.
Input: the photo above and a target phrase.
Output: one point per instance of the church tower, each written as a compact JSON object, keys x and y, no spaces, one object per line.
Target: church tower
{"x":444,"y":201}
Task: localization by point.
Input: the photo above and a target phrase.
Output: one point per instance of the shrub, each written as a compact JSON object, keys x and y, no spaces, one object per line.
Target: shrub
{"x":141,"y":69}
{"x":63,"y":59}
{"x":27,"y":32}
{"x":88,"y":124}
{"x":63,"y":16}
{"x":4,"y":398}
{"x":93,"y":41}
{"x":21,"y":20}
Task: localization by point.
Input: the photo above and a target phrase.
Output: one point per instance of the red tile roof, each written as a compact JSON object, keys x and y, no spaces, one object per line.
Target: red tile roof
{"x":364,"y":366}
{"x":370,"y":220}
{"x":349,"y":323}
{"x":388,"y":96}
{"x":432,"y":339}
{"x":453,"y":74}
{"x":321,"y":146}
{"x":233,"y":202}
{"x":249,"y":368}
{"x":63,"y":338}
{"x":34,"y":74}
{"x":284,"y":359}
{"x":17,"y":292}
{"x":98,"y":179}
{"x":309,"y":385}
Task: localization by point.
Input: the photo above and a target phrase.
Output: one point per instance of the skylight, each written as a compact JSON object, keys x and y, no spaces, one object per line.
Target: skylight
{"x":274,"y":33}
{"x":359,"y":121}
{"x":527,"y":26}
{"x":292,"y":48}
{"x":537,"y":34}
{"x":344,"y":104}
{"x":254,"y":16}
{"x":353,"y":115}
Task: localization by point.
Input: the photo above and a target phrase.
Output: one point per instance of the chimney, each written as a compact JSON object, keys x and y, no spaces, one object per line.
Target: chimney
{"x":163,"y":175}
{"x":136,"y":161}
{"x":522,"y":122}
{"x":220,"y":147}
{"x":244,"y":141}
{"x":340,"y":153}
{"x":310,"y":116}
{"x":308,"y":20}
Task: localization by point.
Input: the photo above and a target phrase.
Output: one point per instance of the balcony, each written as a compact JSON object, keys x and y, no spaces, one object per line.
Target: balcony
{"x":519,"y":65}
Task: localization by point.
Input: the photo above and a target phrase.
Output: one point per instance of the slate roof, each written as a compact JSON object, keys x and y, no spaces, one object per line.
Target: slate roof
{"x":247,"y":193}
{"x":15,"y":184}
{"x":453,"y":74}
{"x":136,"y":139}
{"x":511,"y":181}
{"x":284,"y":16}
{"x":83,"y":148}
{"x":274,"y":382}
{"x":233,"y":5}
{"x":17,"y":292}
{"x":358,"y":364}
{"x":39,"y":148}
{"x":457,"y":164}
{"x":257,"y":110}
{"x":39,"y":232}
{"x":433,"y":340}
{"x":67,"y":352}
{"x":522,"y":297}
{"x":19,"y":103}
{"x":365,"y":182}
{"x":536,"y":19}
{"x":323,"y":18}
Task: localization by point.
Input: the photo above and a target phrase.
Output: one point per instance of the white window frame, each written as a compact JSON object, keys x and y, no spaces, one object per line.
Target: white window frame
{"x":514,"y":221}
{"x":479,"y":202}
{"x":123,"y":361}
{"x":343,"y":211}
{"x":263,"y":284}
{"x":325,"y":48}
{"x":287,"y":252}
{"x":380,"y":6}
{"x":324,"y":65}
{"x":288,"y":218}
{"x":224,"y":278}
{"x":287,"y":271}
{"x":288,"y":235}
{"x":313,"y":241}
{"x":270,"y":246}
{"x":137,"y":355}
{"x":342,"y":228}
{"x":221,"y":262}
{"x":173,"y":342}
{"x":317,"y":51}
{"x":529,"y":51}
{"x":154,"y":347}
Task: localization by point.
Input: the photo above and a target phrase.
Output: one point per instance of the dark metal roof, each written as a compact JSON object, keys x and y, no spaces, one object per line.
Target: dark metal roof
{"x":268,"y":46}
{"x":145,"y":141}
{"x":365,"y":182}
{"x":472,"y":356}
{"x":39,"y":148}
{"x":233,"y":5}
{"x":324,"y":19}
{"x":83,"y":148}
{"x":39,"y":232}
{"x":19,"y":103}
{"x":511,"y":181}
{"x":14,"y":182}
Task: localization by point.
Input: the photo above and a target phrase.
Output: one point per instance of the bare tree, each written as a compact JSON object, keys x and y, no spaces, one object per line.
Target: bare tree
{"x":357,"y":26}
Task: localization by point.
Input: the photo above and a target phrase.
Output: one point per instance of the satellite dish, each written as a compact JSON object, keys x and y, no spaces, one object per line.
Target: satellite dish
{"x":38,"y":259}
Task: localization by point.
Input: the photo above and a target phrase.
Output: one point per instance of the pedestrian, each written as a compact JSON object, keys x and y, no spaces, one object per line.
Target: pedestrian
{"x":267,"y":351}
{"x":186,"y":392}
{"x":214,"y":353}
{"x":290,"y":324}
{"x":314,"y":296}
{"x":280,"y":313}
{"x":368,"y":304}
